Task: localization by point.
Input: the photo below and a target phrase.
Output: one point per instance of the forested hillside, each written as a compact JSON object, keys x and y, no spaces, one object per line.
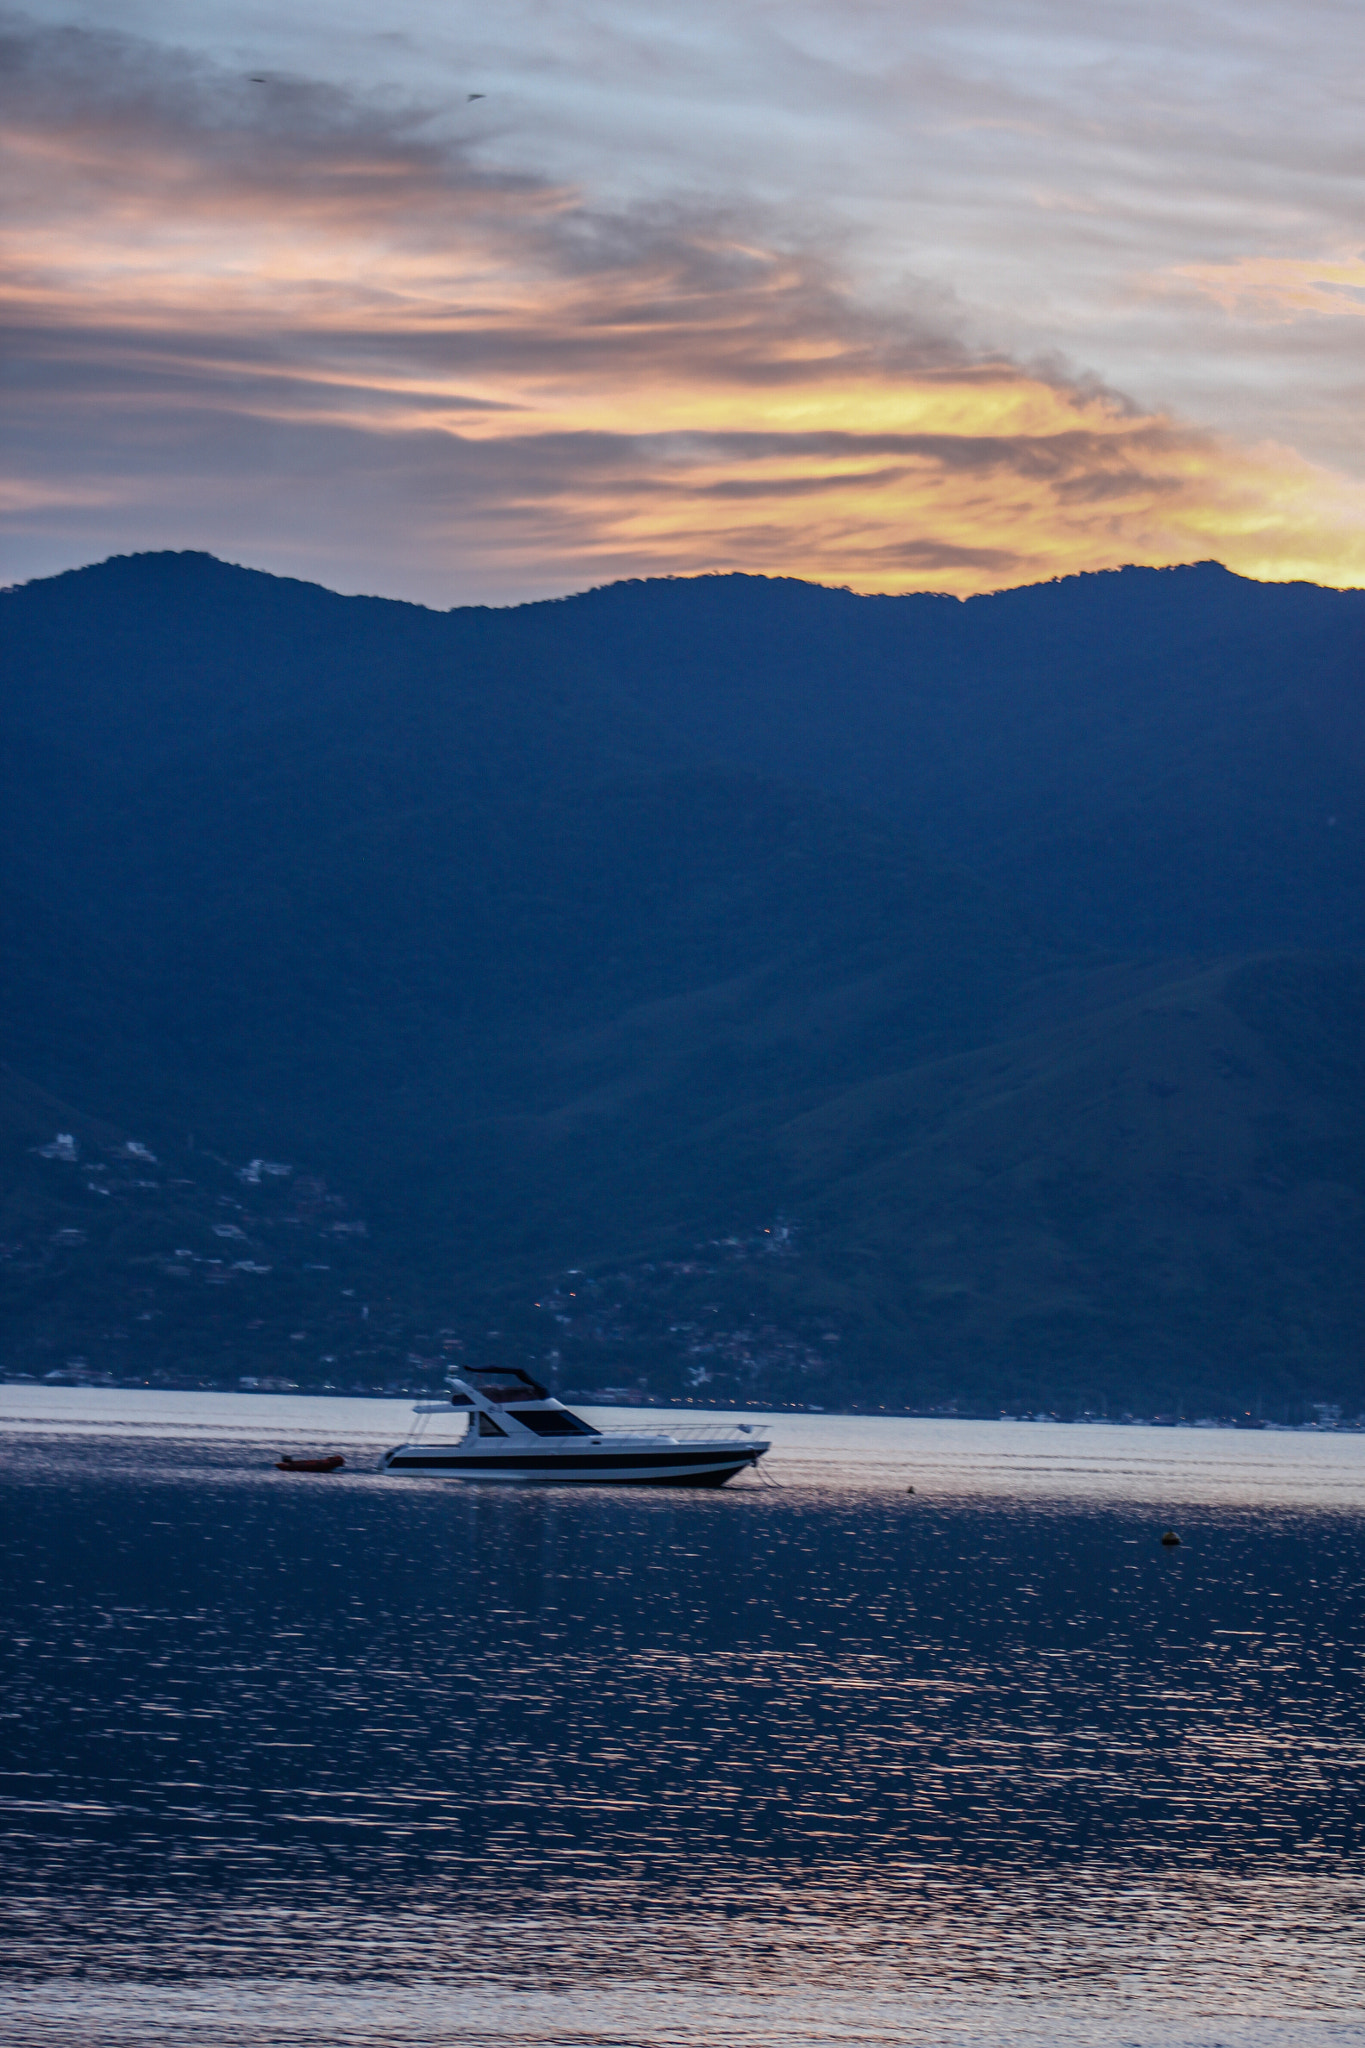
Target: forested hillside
{"x":726,"y":989}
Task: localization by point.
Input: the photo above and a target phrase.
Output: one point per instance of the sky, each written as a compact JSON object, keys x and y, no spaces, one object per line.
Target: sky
{"x":896,"y":294}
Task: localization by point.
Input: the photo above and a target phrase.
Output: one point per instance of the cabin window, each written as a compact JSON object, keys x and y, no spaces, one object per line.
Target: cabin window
{"x":551,"y":1421}
{"x":487,"y":1426}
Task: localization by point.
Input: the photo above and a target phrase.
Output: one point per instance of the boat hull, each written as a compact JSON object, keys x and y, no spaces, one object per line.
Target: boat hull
{"x":685,"y":1465}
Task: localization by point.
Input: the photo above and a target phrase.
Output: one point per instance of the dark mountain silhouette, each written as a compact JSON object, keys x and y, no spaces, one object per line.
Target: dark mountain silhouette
{"x":879,"y":999}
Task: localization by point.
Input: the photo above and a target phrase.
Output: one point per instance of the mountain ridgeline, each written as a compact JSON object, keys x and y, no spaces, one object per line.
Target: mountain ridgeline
{"x":723,"y":989}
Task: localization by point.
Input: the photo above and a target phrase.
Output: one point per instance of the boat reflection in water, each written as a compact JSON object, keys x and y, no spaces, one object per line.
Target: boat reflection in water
{"x":516,"y":1429}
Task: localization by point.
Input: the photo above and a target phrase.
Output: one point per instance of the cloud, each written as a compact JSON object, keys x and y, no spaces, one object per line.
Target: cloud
{"x":319,"y":329}
{"x":1280,"y":287}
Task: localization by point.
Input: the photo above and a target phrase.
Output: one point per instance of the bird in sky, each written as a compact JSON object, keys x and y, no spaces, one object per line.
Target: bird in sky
{"x":476,"y":95}
{"x":257,"y":78}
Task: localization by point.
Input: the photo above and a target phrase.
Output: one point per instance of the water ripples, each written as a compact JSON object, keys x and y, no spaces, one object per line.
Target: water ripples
{"x":373,"y":1761}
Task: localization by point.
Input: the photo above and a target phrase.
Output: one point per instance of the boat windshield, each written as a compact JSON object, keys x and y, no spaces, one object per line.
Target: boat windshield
{"x":553,"y":1422}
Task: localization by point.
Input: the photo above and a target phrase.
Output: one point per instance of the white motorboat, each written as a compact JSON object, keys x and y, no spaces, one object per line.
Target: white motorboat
{"x":515,"y":1429}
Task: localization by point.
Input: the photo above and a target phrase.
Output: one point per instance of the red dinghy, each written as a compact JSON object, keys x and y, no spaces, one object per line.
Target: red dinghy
{"x":331,"y":1464}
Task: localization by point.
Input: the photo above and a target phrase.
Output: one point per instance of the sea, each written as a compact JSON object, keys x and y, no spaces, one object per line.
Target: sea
{"x":920,"y":1737}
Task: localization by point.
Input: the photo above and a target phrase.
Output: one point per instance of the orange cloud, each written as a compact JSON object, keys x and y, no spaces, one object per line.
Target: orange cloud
{"x":1281,"y":287}
{"x":226,"y":302}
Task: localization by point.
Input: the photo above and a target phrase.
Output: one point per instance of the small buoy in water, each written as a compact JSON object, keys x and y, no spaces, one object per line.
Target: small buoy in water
{"x":1170,"y":1539}
{"x":909,"y":1489}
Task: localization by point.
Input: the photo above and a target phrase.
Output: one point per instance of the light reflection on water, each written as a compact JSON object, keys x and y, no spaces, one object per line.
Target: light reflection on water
{"x":363,"y":1760}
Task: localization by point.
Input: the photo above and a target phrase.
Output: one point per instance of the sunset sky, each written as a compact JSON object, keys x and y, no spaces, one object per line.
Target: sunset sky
{"x":899,"y":294}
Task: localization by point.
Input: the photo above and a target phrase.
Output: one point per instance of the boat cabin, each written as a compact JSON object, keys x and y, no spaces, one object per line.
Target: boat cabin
{"x":507,"y":1401}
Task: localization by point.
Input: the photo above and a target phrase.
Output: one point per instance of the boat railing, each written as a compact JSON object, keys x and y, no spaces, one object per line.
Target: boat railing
{"x":710,"y":1431}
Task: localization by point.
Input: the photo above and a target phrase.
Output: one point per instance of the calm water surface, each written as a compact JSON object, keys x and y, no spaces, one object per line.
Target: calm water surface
{"x":360,"y":1759}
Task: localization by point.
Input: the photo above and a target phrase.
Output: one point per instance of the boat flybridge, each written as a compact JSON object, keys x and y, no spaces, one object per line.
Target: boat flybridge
{"x":515,"y":1429}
